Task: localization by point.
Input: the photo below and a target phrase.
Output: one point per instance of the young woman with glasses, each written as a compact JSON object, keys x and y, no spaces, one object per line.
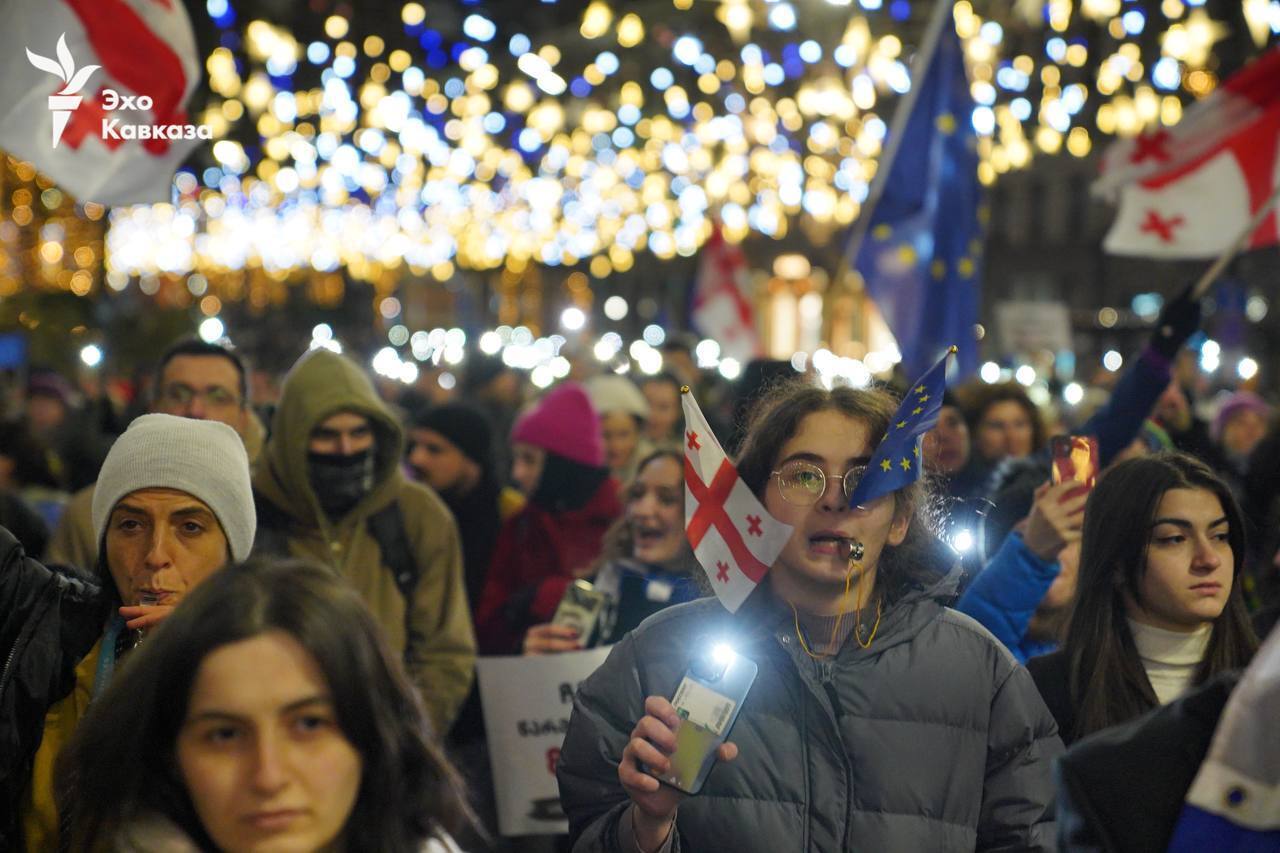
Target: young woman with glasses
{"x":879,"y":720}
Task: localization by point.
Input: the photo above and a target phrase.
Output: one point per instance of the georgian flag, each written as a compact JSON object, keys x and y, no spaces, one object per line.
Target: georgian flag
{"x":1190,"y":190}
{"x":733,"y":536}
{"x":57,"y":58}
{"x":722,"y":308}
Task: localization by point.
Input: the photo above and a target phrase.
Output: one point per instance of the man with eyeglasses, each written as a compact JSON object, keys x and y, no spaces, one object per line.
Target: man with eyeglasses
{"x":196,"y":380}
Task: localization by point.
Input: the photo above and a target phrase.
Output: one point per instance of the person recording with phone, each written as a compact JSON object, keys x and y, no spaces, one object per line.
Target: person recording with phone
{"x":646,"y":565}
{"x":866,"y":683}
{"x":1023,"y":594}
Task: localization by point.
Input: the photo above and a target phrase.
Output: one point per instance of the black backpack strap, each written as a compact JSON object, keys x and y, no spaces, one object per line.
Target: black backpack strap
{"x":386,"y":526}
{"x":272,"y":536}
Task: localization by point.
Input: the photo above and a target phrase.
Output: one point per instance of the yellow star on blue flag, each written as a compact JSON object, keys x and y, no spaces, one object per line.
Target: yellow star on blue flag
{"x":894,"y":463}
{"x":924,"y":231}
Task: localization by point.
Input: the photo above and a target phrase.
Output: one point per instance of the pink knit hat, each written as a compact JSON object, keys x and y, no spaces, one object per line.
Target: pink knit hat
{"x":1240,"y":401}
{"x":564,"y":423}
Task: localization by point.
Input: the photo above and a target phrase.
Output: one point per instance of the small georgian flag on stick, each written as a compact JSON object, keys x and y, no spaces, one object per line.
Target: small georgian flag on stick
{"x":733,"y":536}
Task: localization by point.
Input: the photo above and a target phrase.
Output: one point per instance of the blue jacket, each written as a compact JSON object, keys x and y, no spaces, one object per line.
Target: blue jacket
{"x":1005,"y":595}
{"x":1120,"y":419}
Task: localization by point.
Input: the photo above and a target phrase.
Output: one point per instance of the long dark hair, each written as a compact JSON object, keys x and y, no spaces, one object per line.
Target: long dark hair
{"x":911,"y":565}
{"x":1107,"y":682}
{"x":121,"y":766}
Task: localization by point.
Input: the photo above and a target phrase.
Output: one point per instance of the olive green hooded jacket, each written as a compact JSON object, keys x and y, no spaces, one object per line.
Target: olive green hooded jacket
{"x":433,"y":632}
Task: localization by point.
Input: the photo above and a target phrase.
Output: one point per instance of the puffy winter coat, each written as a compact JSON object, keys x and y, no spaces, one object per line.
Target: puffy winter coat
{"x":933,"y":739}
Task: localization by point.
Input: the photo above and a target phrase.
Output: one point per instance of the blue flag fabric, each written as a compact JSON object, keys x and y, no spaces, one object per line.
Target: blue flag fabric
{"x":920,"y":258}
{"x":897,"y":461}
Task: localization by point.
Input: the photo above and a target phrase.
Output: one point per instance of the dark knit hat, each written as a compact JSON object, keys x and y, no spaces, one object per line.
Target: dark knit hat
{"x":481,"y":370}
{"x":46,"y":383}
{"x":465,"y":426}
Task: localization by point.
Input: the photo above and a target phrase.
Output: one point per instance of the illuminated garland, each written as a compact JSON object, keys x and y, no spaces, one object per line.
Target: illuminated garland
{"x":476,"y":146}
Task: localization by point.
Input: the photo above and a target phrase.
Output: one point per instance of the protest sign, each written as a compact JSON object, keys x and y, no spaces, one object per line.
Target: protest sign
{"x":527,"y":701}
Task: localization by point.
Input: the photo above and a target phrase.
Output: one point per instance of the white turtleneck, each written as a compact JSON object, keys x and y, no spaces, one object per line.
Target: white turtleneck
{"x":1169,"y":657}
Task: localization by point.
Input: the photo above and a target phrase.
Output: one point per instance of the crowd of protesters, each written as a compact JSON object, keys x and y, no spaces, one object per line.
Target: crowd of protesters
{"x":230,"y":620}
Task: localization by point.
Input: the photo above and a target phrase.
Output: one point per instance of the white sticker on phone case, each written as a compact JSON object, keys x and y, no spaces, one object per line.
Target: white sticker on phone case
{"x":702,"y":705}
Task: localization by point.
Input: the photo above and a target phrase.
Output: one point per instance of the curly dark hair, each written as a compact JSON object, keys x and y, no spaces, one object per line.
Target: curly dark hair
{"x":120,"y":765}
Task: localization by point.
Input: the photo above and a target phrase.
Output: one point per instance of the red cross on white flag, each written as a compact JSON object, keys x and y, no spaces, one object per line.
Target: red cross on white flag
{"x":1190,"y":190}
{"x":1205,"y":126}
{"x":92,"y":93}
{"x":722,"y":307}
{"x":733,"y":536}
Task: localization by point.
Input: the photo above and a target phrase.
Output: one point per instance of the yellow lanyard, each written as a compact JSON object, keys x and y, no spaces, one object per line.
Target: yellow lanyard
{"x":835,"y":629}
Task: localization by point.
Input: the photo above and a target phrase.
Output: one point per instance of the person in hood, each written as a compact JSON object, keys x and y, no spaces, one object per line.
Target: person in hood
{"x":330,"y":489}
{"x":879,"y":720}
{"x":560,"y":465}
{"x":172,"y":507}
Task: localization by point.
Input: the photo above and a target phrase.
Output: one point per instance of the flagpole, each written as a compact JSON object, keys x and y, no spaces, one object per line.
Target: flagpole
{"x":1211,"y":275}
{"x":942,"y":13}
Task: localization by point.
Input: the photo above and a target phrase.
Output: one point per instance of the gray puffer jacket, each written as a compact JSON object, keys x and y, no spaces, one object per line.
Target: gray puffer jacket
{"x":933,"y":739}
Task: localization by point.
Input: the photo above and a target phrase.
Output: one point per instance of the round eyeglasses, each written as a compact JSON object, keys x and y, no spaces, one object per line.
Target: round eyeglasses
{"x":804,"y":483}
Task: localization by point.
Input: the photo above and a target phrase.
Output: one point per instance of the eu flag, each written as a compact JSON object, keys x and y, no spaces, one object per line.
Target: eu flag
{"x":897,"y":461}
{"x":922,"y":246}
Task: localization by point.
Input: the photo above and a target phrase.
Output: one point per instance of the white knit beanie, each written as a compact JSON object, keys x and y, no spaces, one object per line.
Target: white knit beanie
{"x":610,"y":392}
{"x":205,"y":459}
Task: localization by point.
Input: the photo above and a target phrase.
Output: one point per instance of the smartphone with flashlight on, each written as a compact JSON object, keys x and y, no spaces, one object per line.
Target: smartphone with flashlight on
{"x":1075,"y":457}
{"x":708,"y":701}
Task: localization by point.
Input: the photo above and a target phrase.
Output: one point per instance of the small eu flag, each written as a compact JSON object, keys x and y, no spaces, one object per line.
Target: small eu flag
{"x":897,"y":461}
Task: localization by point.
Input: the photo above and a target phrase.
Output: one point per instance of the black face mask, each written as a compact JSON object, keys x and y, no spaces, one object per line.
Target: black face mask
{"x":340,"y":482}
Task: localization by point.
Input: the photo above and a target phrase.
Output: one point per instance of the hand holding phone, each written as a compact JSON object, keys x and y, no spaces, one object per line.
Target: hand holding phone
{"x":653,"y":742}
{"x":549,"y":639}
{"x":1056,"y":519}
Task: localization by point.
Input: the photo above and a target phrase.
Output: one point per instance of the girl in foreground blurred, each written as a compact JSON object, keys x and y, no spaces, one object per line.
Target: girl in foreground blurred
{"x":266,"y":714}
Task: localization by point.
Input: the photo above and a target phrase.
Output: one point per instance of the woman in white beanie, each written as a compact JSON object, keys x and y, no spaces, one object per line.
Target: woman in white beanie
{"x":173,"y":504}
{"x":623,"y":412}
